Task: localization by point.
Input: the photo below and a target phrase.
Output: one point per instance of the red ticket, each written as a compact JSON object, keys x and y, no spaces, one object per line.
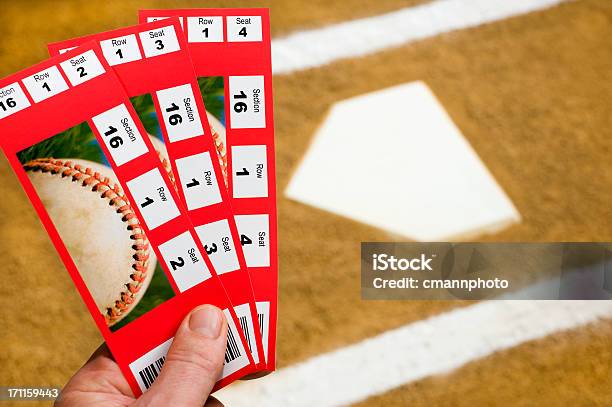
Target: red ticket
{"x":233,"y":46}
{"x":91,"y":172}
{"x":153,"y":63}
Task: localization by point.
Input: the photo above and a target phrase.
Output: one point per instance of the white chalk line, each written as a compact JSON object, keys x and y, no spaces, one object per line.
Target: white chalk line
{"x":318,"y":47}
{"x":436,"y":345}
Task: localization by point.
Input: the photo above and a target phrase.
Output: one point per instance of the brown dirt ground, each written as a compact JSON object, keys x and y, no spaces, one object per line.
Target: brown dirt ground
{"x":566,"y":369}
{"x":34,"y":23}
{"x":529,"y":93}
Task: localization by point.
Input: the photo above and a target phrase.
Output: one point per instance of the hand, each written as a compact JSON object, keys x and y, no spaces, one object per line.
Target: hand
{"x":192,"y":366}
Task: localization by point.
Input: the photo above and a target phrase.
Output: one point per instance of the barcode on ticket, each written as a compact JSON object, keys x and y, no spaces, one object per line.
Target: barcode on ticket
{"x":148,"y":367}
{"x":235,"y":355}
{"x":263,"y":315}
{"x":245,"y":328}
{"x":232,"y":352}
{"x":150,"y":373}
{"x":243,"y":312}
{"x":260,"y":317}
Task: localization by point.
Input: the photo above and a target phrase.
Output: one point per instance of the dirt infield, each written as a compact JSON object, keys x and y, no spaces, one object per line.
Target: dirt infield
{"x":567,"y":369}
{"x":37,"y":22}
{"x":527,"y":94}
{"x":530,"y":94}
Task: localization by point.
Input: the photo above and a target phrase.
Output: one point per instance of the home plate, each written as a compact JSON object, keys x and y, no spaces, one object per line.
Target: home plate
{"x":394,"y":159}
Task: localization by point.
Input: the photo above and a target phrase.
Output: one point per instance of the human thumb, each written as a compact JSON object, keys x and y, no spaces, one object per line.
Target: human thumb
{"x":194,"y":361}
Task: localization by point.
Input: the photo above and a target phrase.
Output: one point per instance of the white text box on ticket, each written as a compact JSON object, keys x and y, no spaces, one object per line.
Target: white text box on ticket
{"x":205,"y":29}
{"x":243,"y":312}
{"x":64,"y":50}
{"x":198,"y":180}
{"x":159,"y":41}
{"x":12,"y":100}
{"x":254,"y":233}
{"x":263,"y":314}
{"x":44,"y":84}
{"x":247,"y":102}
{"x":184,"y":261}
{"x":219,"y":245}
{"x":121,"y":50}
{"x":244,"y":28}
{"x":154,"y":357}
{"x":180,"y":113}
{"x":153,"y":198}
{"x":151,"y":19}
{"x":82,"y":68}
{"x":120,"y":134}
{"x":249,"y":171}
{"x":239,"y":358}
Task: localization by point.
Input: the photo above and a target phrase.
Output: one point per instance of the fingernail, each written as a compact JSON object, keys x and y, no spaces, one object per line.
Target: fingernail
{"x":206,"y":321}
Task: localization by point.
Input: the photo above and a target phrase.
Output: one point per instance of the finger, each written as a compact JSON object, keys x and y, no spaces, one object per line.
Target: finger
{"x":194,"y":361}
{"x":99,"y":378}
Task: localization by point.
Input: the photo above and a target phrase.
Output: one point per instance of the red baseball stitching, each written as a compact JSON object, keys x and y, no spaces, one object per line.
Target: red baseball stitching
{"x":167,"y":166}
{"x":221,"y":153}
{"x":111,"y":191}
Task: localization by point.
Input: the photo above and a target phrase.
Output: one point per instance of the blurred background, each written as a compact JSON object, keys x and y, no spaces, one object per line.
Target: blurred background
{"x":530,"y":92}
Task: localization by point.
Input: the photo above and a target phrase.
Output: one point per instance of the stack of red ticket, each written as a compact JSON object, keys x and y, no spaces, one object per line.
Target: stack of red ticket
{"x":148,"y":153}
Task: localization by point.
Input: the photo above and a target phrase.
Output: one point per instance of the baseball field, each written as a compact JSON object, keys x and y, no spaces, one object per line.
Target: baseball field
{"x":530,"y":91}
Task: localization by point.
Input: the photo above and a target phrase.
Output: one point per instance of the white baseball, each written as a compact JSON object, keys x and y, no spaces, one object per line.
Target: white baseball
{"x":99,"y":228}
